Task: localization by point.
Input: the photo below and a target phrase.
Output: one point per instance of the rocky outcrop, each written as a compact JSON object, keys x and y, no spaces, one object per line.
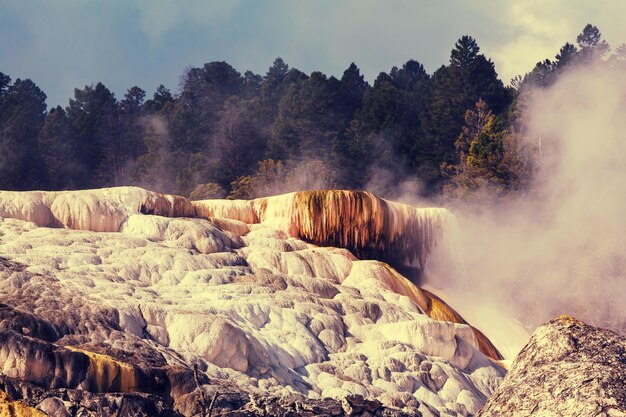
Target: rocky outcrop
{"x":11,"y":408}
{"x":217,"y":399}
{"x":568,"y":368}
{"x":63,"y":402}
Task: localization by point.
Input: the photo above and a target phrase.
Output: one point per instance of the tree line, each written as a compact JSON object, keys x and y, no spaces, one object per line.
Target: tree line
{"x":223,"y":133}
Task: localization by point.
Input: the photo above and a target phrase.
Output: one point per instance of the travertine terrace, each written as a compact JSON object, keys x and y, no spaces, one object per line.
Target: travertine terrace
{"x":128,"y":298}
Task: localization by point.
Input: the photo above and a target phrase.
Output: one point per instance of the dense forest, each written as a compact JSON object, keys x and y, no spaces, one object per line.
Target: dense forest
{"x":227,"y":134}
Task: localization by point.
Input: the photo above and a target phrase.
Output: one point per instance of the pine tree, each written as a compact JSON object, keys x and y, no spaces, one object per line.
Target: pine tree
{"x":59,"y":151}
{"x":5,"y":82}
{"x":275,"y":84}
{"x":237,"y":144}
{"x":162,"y":97}
{"x":131,"y":111}
{"x":567,"y":54}
{"x":23,"y":111}
{"x":251,"y":85}
{"x":310,"y":116}
{"x":469,"y":77}
{"x":204,"y":91}
{"x":94,"y":115}
{"x":592,"y":46}
{"x":490,"y":159}
{"x":352,"y":87}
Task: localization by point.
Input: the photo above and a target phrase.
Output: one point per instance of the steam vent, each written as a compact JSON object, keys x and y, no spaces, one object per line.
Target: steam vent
{"x":127,"y":302}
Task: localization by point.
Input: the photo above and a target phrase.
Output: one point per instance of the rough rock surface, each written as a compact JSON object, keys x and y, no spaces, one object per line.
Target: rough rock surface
{"x":568,"y":368}
{"x":226,"y":401}
{"x":142,"y":314}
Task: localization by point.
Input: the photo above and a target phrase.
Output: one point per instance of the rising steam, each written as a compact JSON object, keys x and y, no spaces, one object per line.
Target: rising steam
{"x":561,"y":249}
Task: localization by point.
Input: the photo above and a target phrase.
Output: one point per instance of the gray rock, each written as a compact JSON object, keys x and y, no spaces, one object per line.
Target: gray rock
{"x":568,"y":368}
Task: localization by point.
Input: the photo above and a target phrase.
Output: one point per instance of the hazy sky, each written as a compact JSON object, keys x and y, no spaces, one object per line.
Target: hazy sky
{"x":63,"y":44}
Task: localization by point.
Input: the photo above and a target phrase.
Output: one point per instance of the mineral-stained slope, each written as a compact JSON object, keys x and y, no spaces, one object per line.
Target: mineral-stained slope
{"x":568,"y":368}
{"x":369,"y":226}
{"x":146,"y":310}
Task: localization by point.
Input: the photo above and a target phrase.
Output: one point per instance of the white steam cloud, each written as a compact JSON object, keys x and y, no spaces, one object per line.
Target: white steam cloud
{"x":562,"y":248}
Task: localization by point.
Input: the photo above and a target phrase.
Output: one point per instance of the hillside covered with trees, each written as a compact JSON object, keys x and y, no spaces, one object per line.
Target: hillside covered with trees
{"x":224,"y":133}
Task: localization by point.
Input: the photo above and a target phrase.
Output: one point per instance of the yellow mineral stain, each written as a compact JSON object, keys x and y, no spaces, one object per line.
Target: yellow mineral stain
{"x":437,"y":309}
{"x":12,"y":408}
{"x":107,"y":374}
{"x":569,"y":319}
{"x":365,"y":224}
{"x":359,"y":221}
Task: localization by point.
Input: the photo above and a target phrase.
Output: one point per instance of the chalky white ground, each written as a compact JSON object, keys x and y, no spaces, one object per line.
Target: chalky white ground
{"x":271,"y":313}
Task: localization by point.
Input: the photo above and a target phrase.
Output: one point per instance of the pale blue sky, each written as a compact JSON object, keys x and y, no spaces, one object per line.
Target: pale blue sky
{"x":63,"y":44}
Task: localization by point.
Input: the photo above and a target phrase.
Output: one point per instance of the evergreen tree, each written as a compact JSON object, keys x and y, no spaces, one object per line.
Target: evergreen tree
{"x":131,"y":111}
{"x":382,"y":106}
{"x":490,"y":158}
{"x":23,"y":111}
{"x":237,"y":144}
{"x":251,"y":84}
{"x":275,"y":84}
{"x":133,"y":100}
{"x":479,"y":149}
{"x":162,"y":97}
{"x":204,"y":91}
{"x":93,"y":113}
{"x":193,"y":119}
{"x":387,"y":129}
{"x":417,"y":86}
{"x":395,"y":106}
{"x":592,"y":46}
{"x":567,"y":54}
{"x":310,"y":116}
{"x":464,"y":54}
{"x":354,"y":153}
{"x":409,"y":76}
{"x":542,"y":74}
{"x":469,"y":77}
{"x":5,"y":82}
{"x":277,"y":72}
{"x":57,"y":142}
{"x":352,"y":87}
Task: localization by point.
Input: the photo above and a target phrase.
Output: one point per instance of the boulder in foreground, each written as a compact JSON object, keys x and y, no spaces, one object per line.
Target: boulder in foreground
{"x":568,"y":368}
